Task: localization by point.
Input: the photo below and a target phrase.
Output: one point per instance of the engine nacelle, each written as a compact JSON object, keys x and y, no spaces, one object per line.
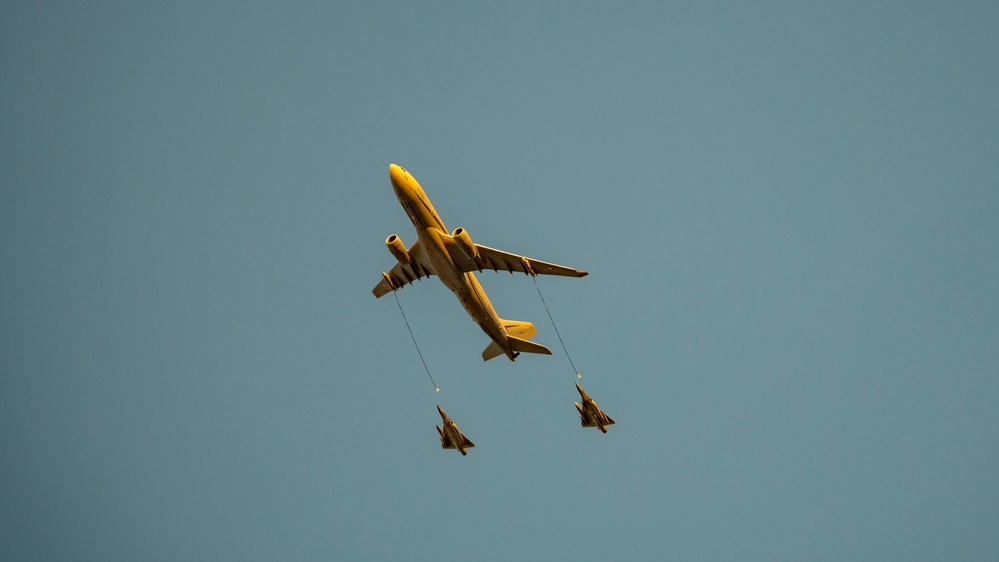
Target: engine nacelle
{"x":397,"y":248}
{"x":465,"y":243}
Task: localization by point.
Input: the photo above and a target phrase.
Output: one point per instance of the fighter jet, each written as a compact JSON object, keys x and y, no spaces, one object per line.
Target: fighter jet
{"x":453,"y":258}
{"x":451,"y":438}
{"x":590,"y":414}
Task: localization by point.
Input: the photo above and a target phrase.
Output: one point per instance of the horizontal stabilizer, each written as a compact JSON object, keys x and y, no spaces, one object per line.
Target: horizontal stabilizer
{"x":518,"y":329}
{"x":492,"y":350}
{"x":525,"y":346}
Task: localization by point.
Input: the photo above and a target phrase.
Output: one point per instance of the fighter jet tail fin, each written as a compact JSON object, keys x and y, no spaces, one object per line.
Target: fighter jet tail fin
{"x":445,"y":442}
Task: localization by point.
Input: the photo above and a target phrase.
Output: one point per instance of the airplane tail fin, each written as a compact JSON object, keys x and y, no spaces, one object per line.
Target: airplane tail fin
{"x":518,"y":334}
{"x":444,"y":441}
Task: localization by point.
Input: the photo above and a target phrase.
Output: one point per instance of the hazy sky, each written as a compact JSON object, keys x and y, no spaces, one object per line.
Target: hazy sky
{"x":790,"y":216}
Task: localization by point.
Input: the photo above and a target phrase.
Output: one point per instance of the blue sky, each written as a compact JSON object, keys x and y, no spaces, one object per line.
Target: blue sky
{"x":788,"y":213}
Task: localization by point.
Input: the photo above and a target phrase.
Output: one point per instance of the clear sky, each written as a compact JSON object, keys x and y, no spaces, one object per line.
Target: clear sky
{"x":789,"y":213}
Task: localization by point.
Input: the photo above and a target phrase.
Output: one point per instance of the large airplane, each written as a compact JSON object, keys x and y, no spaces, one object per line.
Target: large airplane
{"x":451,"y":438}
{"x":453,"y":258}
{"x":590,"y":415}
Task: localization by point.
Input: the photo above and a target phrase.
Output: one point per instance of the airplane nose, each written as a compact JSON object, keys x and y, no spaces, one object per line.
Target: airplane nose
{"x":396,"y":173}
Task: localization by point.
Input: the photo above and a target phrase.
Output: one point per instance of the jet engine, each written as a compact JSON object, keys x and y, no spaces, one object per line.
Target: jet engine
{"x":465,"y":243}
{"x":397,"y":248}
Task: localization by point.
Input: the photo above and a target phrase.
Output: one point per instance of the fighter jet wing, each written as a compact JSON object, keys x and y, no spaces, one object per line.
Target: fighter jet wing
{"x":404,"y":274}
{"x":445,"y":442}
{"x":590,"y":422}
{"x":498,"y":260}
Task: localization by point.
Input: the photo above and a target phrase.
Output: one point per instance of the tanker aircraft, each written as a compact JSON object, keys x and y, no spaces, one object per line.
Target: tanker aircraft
{"x":453,"y":258}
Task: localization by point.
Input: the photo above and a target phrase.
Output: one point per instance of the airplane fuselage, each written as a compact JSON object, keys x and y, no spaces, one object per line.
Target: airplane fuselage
{"x":454,"y":436}
{"x":593,"y":414}
{"x":432,"y":234}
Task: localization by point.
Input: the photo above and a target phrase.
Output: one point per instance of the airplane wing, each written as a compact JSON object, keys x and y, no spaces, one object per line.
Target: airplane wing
{"x":590,"y":422}
{"x":404,"y":274}
{"x":448,"y":444}
{"x":445,"y":442}
{"x":498,"y":260}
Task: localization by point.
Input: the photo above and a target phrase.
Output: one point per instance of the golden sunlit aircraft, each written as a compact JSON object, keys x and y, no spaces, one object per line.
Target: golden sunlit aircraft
{"x":451,"y":438}
{"x":452,"y":258}
{"x":590,"y":415}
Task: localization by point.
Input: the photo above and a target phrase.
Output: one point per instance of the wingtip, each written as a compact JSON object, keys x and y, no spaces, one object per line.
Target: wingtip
{"x":584,"y":273}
